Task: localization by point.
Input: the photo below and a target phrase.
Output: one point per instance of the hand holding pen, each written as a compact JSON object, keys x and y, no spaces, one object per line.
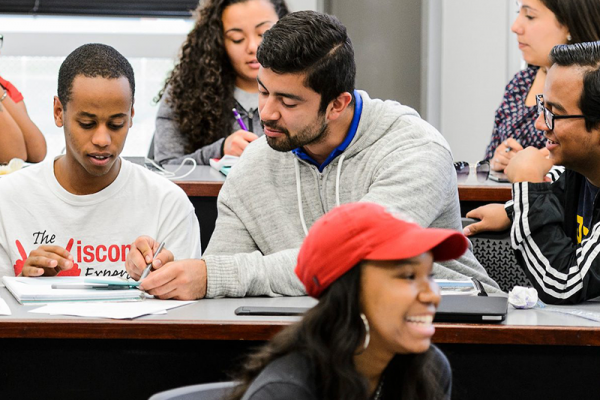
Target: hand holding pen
{"x":149,"y":266}
{"x":504,"y":153}
{"x":144,"y":252}
{"x":236,"y":142}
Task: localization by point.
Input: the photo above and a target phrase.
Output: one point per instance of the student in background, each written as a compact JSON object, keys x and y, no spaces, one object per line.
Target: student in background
{"x":540,"y":25}
{"x":369,"y":337}
{"x":556,"y":226}
{"x":325,"y":144}
{"x":77,"y":214}
{"x":216,"y":72}
{"x":19,"y":136}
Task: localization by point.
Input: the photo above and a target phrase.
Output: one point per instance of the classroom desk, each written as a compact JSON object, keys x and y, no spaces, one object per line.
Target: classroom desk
{"x":205,"y":181}
{"x":473,"y":193}
{"x":99,"y":358}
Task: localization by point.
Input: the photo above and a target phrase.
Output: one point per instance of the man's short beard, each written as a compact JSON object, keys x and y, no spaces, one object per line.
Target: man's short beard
{"x":306,"y":137}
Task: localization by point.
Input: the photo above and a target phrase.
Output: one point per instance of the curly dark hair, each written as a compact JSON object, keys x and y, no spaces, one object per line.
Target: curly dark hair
{"x":328,"y":336}
{"x":92,"y":60}
{"x":202,"y":83}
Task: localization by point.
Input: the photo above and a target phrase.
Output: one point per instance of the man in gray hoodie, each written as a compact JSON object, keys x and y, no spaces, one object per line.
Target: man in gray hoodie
{"x":325,"y":144}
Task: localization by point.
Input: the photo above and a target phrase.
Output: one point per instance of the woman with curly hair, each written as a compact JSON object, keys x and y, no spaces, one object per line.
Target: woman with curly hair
{"x":369,"y":336}
{"x":216,"y":72}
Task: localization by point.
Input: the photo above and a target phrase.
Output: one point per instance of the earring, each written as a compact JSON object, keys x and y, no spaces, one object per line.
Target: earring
{"x":569,"y":38}
{"x":367,"y":334}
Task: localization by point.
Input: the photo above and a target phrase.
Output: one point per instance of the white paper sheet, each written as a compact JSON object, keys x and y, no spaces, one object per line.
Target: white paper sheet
{"x":4,"y":308}
{"x":114,"y":310}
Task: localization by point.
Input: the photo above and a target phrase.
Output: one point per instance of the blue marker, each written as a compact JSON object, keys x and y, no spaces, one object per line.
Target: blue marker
{"x":239,"y":119}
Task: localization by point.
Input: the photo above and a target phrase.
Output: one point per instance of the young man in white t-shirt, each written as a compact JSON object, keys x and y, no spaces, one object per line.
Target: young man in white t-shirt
{"x":78,"y":213}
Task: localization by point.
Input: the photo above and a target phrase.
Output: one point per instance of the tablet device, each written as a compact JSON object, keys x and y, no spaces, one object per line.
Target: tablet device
{"x":255,"y":310}
{"x":479,"y":309}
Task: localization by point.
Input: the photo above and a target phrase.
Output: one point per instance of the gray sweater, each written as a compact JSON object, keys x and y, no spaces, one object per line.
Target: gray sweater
{"x":395,"y":159}
{"x":170,"y":144}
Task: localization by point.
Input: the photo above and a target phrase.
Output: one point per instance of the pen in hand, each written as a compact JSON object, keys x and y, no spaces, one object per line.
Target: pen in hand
{"x":239,"y":119}
{"x":149,"y":266}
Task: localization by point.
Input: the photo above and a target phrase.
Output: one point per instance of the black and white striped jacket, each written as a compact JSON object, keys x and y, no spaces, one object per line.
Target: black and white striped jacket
{"x":543,"y":235}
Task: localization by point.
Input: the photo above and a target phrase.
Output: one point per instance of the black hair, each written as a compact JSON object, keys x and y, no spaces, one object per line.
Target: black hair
{"x":587,"y":56}
{"x":315,"y":44}
{"x":92,"y":60}
{"x":329,"y":335}
{"x":580,"y":17}
{"x":202,"y":84}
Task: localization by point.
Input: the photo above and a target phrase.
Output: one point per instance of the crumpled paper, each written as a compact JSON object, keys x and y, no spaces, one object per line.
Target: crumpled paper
{"x":14,"y":165}
{"x":523,"y":297}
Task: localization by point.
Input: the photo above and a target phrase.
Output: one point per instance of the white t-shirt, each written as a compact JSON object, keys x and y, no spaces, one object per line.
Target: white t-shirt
{"x":97,"y":229}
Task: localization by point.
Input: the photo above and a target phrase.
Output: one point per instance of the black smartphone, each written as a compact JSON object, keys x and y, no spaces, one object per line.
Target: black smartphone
{"x":255,"y":310}
{"x":498,"y":176}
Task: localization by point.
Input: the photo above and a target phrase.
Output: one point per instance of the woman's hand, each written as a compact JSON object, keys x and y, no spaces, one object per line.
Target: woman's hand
{"x":504,"y":153}
{"x":237,"y":142}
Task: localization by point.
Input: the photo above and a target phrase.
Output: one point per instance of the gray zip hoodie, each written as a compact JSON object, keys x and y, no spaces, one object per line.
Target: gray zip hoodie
{"x":271,"y":198}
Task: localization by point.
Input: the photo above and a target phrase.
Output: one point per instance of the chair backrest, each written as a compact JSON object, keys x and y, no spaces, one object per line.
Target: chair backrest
{"x":494,"y":253}
{"x":206,"y":391}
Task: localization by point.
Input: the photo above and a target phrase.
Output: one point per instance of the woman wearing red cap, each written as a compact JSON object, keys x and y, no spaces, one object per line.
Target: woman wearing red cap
{"x":369,"y":337}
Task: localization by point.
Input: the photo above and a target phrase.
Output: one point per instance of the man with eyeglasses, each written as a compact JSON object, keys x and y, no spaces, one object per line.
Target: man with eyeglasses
{"x":19,"y":136}
{"x":555,"y":226}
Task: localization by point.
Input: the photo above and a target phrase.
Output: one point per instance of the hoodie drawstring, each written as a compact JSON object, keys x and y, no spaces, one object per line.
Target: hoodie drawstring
{"x":299,"y":189}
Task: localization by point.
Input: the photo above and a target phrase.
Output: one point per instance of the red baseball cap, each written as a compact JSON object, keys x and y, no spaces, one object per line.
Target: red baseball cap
{"x":354,"y":232}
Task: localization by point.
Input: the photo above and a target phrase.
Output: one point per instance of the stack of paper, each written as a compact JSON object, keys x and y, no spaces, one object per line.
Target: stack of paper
{"x":40,"y":290}
{"x":128,"y":310}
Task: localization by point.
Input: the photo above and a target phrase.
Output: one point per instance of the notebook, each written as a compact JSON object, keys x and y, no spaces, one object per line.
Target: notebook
{"x":40,"y":290}
{"x":481,"y":309}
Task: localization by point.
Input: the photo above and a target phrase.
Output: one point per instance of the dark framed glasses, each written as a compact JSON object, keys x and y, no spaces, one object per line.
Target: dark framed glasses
{"x":482,"y":169}
{"x":549,"y":116}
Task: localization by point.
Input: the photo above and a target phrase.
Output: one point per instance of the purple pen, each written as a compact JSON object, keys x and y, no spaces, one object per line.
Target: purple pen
{"x":239,"y":119}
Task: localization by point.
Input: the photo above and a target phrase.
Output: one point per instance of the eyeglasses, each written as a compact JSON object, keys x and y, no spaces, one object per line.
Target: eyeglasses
{"x":482,"y":169}
{"x":549,"y":117}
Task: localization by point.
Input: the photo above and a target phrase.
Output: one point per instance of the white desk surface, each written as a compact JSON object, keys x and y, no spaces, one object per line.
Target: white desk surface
{"x":223,"y":310}
{"x":201,"y":173}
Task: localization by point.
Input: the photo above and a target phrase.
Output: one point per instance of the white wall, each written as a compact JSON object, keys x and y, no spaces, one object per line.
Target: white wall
{"x":474,"y":56}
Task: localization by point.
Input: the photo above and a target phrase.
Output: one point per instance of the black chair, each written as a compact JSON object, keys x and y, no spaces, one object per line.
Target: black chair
{"x":205,"y":391}
{"x":494,"y":253}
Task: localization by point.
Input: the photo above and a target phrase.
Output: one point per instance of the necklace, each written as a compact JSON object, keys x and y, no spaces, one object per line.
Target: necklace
{"x":378,"y":391}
